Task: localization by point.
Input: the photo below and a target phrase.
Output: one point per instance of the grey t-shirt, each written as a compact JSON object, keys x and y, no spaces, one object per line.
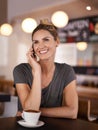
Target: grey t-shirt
{"x":53,"y":93}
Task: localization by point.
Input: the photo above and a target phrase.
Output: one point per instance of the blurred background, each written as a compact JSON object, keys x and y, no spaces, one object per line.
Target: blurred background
{"x":14,"y":47}
{"x":80,"y":27}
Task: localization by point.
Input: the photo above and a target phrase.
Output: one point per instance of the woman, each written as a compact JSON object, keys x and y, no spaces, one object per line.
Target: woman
{"x":44,"y":84}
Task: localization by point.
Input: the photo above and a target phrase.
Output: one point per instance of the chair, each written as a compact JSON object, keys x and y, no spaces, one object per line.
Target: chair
{"x":84,"y":110}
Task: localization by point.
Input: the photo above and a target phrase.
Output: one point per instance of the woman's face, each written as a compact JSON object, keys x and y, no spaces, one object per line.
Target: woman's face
{"x":44,"y":44}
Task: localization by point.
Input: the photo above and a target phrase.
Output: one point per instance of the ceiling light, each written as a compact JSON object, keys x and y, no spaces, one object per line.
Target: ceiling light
{"x":81,"y":46}
{"x":59,"y":19}
{"x":88,"y":7}
{"x":6,"y":29}
{"x":28,"y":25}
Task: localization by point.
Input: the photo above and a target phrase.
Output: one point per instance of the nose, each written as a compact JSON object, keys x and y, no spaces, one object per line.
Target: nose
{"x":41,"y":44}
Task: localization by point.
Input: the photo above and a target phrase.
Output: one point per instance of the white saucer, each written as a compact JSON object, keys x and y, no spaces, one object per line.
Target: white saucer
{"x":25,"y":124}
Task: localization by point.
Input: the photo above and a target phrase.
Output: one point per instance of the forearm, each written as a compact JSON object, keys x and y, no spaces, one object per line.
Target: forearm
{"x":34,"y":97}
{"x":60,"y":112}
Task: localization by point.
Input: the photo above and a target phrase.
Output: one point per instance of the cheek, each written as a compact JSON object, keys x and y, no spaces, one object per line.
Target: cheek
{"x":53,"y":48}
{"x":54,"y":45}
{"x":35,"y":47}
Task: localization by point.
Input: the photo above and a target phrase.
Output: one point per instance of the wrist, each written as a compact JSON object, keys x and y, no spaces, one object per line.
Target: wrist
{"x":37,"y":72}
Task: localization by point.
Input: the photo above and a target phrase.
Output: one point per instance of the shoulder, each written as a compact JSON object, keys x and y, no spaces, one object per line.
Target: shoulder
{"x":22,"y":66}
{"x":65,"y":69}
{"x":66,"y":73}
{"x":25,"y":65}
{"x":64,"y":66}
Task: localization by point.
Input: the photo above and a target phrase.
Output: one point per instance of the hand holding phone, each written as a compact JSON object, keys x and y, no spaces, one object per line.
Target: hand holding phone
{"x":33,"y":60}
{"x":33,"y":53}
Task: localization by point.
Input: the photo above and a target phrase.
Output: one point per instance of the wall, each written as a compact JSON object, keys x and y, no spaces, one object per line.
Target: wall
{"x":3,"y":11}
{"x":14,"y":53}
{"x":66,"y":53}
{"x":22,"y":7}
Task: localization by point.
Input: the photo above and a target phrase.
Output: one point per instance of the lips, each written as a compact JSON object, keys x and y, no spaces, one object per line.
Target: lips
{"x":43,"y":51}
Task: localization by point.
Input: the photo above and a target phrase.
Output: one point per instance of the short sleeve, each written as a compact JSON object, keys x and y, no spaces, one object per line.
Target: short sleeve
{"x":19,"y":74}
{"x":69,"y":74}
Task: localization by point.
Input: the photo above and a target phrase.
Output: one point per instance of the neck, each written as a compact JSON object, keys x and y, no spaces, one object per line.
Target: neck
{"x":47,"y":67}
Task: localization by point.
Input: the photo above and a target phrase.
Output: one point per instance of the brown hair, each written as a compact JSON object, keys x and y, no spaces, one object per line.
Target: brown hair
{"x":45,"y":25}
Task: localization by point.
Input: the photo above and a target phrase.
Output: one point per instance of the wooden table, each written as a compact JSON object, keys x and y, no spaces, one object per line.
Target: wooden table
{"x":50,"y":124}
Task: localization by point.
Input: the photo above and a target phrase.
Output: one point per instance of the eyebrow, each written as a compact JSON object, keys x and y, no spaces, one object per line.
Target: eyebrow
{"x":42,"y":38}
{"x":47,"y":37}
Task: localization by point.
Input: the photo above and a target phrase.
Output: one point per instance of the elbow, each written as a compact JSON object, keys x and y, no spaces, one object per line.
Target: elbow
{"x":74,"y":116}
{"x":74,"y":113}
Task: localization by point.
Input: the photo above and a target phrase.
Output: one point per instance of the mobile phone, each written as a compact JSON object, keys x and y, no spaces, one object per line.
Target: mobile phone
{"x":33,"y":54}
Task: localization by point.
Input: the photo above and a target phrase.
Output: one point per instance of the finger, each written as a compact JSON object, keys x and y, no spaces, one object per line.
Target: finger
{"x":30,"y":51}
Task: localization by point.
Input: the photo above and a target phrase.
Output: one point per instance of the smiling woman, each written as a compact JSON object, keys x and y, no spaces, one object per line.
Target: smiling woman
{"x":46,"y":85}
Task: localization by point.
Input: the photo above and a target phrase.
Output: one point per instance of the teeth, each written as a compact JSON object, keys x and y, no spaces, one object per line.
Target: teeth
{"x":43,"y":51}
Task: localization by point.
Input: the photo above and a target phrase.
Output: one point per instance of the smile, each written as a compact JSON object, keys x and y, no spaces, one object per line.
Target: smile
{"x":43,"y":51}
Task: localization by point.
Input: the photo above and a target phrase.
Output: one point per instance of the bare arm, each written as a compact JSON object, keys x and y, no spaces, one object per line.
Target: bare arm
{"x":69,"y":106}
{"x":31,"y":98}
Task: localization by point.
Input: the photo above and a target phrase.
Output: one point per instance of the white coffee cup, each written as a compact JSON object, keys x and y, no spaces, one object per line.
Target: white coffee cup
{"x":31,"y":116}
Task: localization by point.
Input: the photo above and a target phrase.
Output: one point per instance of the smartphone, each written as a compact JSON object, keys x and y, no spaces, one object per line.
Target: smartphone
{"x":33,"y":54}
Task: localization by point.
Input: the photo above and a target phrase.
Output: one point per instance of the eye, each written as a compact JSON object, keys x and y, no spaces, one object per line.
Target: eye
{"x":46,"y":39}
{"x":35,"y":42}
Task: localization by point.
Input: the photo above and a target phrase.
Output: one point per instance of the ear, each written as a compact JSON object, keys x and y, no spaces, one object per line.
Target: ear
{"x":58,"y":42}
